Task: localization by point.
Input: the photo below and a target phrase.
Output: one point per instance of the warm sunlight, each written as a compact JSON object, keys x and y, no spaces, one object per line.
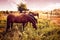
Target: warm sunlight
{"x":29,"y":19}
{"x":46,"y":8}
{"x":11,"y":5}
{"x":51,"y":7}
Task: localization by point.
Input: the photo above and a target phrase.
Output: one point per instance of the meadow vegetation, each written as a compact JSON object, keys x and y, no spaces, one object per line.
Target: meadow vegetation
{"x":47,"y":30}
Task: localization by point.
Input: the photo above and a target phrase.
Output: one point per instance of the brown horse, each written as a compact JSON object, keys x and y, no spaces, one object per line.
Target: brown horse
{"x":22,"y":18}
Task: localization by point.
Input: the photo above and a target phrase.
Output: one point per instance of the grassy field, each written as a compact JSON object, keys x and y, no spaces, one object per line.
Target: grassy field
{"x":47,"y":30}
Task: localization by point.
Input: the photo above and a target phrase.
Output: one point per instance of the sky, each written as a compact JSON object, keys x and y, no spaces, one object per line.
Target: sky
{"x":31,"y":4}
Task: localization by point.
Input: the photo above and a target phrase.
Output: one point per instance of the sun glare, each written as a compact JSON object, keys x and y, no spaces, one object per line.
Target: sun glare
{"x":46,"y":8}
{"x":12,"y":6}
{"x":51,"y":7}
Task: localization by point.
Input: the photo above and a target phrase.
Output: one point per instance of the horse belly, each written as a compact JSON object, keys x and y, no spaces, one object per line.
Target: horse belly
{"x":21,"y":20}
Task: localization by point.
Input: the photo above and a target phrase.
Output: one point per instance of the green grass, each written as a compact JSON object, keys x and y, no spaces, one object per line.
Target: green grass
{"x":46,"y":30}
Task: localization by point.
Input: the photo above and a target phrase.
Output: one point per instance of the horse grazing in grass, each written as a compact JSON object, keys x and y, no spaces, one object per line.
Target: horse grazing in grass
{"x":21,"y":18}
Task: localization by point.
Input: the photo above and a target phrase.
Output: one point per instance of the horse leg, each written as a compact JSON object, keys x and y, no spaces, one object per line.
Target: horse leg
{"x":23,"y":26}
{"x":11,"y":25}
{"x":8,"y":26}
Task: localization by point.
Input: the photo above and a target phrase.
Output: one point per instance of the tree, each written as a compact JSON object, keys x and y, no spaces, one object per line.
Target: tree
{"x":7,"y":12}
{"x":22,"y":7}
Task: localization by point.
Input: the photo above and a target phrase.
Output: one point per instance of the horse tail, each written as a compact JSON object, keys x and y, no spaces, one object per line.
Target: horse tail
{"x":8,"y":23}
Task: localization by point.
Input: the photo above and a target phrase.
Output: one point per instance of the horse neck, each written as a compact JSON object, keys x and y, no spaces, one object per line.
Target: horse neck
{"x":33,"y":21}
